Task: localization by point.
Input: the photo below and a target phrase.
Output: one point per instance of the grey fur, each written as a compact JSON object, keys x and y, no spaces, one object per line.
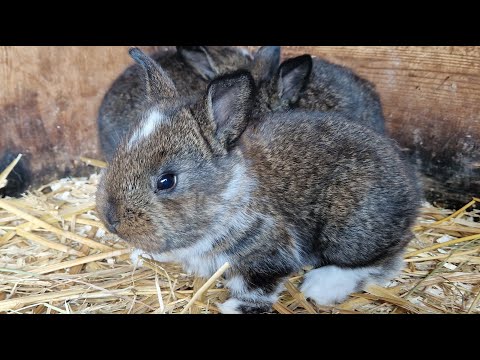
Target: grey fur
{"x":309,"y":188}
{"x":319,"y":85}
{"x":123,"y":103}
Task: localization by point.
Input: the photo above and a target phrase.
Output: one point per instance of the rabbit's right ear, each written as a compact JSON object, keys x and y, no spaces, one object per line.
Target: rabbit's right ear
{"x":265,"y":63}
{"x":158,"y":83}
{"x":200,"y":60}
{"x":230,"y":102}
{"x":293,"y":76}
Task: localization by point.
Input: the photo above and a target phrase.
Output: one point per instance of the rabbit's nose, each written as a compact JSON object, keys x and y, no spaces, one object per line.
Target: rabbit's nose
{"x":112,"y":218}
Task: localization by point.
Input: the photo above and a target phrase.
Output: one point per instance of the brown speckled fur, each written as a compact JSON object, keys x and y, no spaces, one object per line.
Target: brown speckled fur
{"x":325,"y":87}
{"x":294,"y":189}
{"x":124,"y":102}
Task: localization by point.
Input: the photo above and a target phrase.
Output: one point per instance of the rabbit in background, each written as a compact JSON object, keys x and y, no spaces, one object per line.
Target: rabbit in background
{"x":194,"y":182}
{"x":310,"y":83}
{"x":301,"y":82}
{"x":190,"y":67}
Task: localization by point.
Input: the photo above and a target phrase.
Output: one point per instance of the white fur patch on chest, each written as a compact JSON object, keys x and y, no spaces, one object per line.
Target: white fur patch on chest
{"x":200,"y":259}
{"x":149,"y":123}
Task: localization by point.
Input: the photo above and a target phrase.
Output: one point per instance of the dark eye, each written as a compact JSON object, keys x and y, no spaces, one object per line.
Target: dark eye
{"x":166,"y":181}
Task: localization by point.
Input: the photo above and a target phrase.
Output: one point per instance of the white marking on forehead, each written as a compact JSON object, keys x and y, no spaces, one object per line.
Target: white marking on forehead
{"x":244,"y":51}
{"x":149,"y":123}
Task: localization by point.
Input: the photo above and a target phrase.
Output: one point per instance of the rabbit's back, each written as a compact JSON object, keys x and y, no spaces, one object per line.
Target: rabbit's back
{"x":336,"y":87}
{"x":343,"y":188}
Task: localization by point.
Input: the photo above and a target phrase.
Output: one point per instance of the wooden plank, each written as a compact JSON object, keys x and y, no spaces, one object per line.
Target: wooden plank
{"x":431,"y":102}
{"x":431,"y":99}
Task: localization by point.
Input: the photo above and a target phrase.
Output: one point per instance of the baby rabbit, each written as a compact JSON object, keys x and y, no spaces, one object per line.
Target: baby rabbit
{"x":189,"y":67}
{"x":314,"y":84}
{"x":200,"y":185}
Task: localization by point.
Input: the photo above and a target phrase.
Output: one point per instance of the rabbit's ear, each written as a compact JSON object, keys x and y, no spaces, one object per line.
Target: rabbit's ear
{"x":293,"y":76}
{"x":200,"y":60}
{"x":230,"y":101}
{"x":265,"y":63}
{"x":158,"y":83}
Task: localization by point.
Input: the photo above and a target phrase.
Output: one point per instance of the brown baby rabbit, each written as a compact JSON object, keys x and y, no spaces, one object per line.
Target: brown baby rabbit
{"x":314,"y":84}
{"x":190,"y":68}
{"x":198,"y":184}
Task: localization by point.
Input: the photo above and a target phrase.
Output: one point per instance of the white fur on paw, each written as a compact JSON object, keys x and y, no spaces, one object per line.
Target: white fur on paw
{"x":230,"y":306}
{"x":162,"y":257}
{"x":135,"y":257}
{"x":330,"y":284}
{"x":136,"y":254}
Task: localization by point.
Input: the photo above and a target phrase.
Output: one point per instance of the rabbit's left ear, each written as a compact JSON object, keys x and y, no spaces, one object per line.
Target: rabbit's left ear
{"x":265,"y":63}
{"x":158,"y":83}
{"x":293,"y":76}
{"x":230,"y":101}
{"x":200,"y":60}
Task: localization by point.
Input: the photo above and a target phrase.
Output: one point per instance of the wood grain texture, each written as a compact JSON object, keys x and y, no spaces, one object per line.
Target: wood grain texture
{"x":431,"y":97}
{"x":431,"y":102}
{"x":49,"y":100}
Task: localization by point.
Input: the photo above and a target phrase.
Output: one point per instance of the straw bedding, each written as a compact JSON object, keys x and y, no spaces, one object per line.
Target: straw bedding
{"x":56,"y":257}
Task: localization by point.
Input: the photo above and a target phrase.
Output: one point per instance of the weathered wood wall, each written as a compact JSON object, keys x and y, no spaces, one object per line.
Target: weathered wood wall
{"x":431,"y":99}
{"x":50,"y":95}
{"x":49,"y":100}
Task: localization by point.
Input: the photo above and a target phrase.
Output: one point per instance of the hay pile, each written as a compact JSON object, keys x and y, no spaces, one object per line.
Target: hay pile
{"x":56,"y":257}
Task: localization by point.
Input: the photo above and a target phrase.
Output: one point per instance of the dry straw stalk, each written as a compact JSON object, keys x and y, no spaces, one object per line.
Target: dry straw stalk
{"x":57,"y":257}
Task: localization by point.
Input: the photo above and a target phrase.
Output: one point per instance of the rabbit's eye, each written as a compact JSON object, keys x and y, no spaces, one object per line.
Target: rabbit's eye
{"x":166,"y":181}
